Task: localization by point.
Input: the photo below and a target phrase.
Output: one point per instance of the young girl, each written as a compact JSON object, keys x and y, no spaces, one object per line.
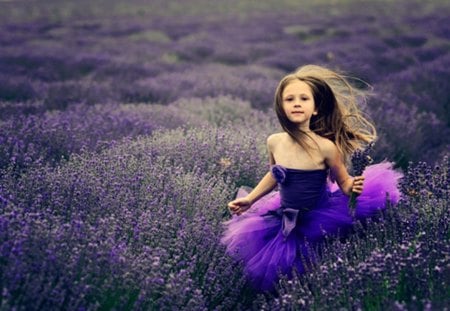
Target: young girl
{"x":271,"y":230}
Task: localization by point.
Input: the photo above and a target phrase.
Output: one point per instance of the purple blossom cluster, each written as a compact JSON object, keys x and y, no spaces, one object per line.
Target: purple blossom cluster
{"x":252,"y":84}
{"x":37,"y":139}
{"x":359,"y":160}
{"x":399,"y":139}
{"x":170,"y":59}
{"x":423,"y":180}
{"x":122,"y":139}
{"x":46,"y":138}
{"x":134,"y":229}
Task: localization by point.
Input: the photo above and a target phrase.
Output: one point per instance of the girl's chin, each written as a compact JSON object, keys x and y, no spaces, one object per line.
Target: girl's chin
{"x":299,"y":122}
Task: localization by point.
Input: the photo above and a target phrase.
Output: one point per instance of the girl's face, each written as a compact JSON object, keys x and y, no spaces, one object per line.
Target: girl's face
{"x":298,"y":103}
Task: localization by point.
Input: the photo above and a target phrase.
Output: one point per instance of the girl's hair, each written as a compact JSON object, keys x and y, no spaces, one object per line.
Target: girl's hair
{"x":336,"y":101}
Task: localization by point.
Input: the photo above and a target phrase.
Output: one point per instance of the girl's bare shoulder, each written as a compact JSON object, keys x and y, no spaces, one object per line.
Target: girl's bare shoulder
{"x":327,"y":147}
{"x":275,"y":138}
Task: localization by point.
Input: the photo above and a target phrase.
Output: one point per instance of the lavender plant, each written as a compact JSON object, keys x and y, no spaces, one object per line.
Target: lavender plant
{"x":129,"y":223}
{"x":129,"y":220}
{"x":224,"y":110}
{"x":359,"y":159}
{"x":54,"y":135}
{"x":240,"y":159}
{"x":46,"y":138}
{"x":111,"y":233}
{"x":412,"y":131}
{"x":130,"y":217}
{"x":253,"y":84}
{"x":59,"y":78}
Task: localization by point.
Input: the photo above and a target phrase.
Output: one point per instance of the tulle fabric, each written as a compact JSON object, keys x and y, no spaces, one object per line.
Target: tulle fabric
{"x":256,"y":236}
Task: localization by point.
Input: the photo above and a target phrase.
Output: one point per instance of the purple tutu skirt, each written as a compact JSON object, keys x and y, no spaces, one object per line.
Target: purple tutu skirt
{"x":257,"y":239}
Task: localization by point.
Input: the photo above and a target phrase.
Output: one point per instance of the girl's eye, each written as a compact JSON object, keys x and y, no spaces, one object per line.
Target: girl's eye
{"x":305,"y":98}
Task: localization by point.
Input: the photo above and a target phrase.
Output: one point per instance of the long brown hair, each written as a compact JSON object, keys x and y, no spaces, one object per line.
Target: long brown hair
{"x":336,"y":101}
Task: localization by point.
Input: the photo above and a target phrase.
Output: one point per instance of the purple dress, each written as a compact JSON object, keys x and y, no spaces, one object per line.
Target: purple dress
{"x":272,"y":236}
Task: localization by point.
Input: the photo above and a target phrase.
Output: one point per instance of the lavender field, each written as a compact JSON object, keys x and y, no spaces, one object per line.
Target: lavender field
{"x":126,"y":127}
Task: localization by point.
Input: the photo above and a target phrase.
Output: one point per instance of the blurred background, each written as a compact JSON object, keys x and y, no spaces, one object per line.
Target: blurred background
{"x":127,"y":126}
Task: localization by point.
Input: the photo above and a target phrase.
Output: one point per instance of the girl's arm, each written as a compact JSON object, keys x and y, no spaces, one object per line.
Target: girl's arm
{"x":266,"y":184}
{"x":333,"y":159}
{"x":240,"y":205}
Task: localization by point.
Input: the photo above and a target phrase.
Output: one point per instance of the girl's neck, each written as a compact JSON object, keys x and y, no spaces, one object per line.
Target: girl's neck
{"x":304,"y":128}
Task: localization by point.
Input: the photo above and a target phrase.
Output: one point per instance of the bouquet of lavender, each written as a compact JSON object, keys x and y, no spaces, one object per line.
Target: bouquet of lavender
{"x":360,"y":159}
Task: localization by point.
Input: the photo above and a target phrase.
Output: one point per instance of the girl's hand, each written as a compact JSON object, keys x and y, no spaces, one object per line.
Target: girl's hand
{"x":239,"y":206}
{"x":358,"y":184}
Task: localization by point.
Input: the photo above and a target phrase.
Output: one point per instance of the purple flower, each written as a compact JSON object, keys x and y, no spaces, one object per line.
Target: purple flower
{"x":360,"y":159}
{"x":279,"y":173}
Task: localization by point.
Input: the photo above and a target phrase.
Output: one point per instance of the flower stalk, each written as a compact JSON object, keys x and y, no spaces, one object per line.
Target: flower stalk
{"x":360,"y":159}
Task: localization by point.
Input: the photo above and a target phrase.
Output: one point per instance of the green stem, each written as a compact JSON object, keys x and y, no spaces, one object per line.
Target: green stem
{"x":352,"y":203}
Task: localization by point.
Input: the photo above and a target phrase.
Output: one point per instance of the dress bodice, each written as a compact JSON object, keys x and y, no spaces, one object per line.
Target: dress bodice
{"x":300,"y":191}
